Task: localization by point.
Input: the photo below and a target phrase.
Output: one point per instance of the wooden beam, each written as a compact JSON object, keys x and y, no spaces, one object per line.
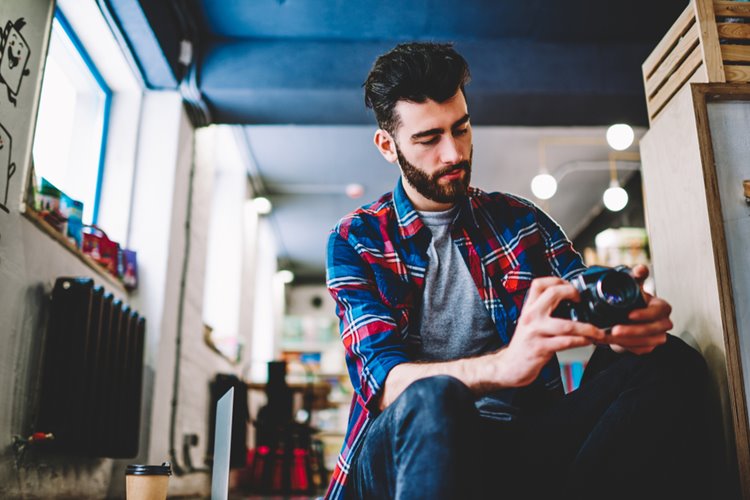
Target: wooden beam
{"x":664,"y":47}
{"x":675,"y":82}
{"x":734,"y":31}
{"x":732,"y":9}
{"x":709,"y":37}
{"x":678,"y":54}
{"x":737,"y":73}
{"x":735,"y":53}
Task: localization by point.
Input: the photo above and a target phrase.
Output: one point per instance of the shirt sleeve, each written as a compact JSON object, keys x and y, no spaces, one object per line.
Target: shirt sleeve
{"x":369,"y":332}
{"x":563,"y":259}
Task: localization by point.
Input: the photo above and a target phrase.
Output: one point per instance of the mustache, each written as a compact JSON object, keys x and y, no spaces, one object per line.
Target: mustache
{"x":464,"y":165}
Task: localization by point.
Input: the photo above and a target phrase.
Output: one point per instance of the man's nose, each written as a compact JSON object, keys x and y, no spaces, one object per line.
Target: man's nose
{"x":450,"y":152}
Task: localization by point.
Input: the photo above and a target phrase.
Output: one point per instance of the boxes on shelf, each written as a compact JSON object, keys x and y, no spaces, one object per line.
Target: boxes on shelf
{"x":98,"y":246}
{"x":65,"y":215}
{"x":60,"y":211}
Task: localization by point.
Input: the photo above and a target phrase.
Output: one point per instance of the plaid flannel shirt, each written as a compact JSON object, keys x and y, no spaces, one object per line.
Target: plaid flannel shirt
{"x":377,"y":259}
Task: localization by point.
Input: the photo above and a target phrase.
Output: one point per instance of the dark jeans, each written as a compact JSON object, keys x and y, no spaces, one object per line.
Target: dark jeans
{"x":636,"y":428}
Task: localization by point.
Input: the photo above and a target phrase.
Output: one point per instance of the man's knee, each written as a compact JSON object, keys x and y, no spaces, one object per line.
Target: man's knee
{"x":682,"y":361}
{"x":441,"y":398}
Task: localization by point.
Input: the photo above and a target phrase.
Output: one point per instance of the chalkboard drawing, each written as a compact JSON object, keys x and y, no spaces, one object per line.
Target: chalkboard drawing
{"x":14,"y":57}
{"x":5,"y":157}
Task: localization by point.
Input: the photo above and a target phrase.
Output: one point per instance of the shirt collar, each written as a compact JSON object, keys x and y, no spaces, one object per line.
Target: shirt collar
{"x":409,"y":223}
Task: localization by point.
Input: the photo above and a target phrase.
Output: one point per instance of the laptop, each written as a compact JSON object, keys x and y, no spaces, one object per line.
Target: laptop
{"x":222,"y":446}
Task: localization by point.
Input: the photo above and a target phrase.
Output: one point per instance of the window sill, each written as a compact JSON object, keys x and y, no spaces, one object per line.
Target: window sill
{"x":45,"y":227}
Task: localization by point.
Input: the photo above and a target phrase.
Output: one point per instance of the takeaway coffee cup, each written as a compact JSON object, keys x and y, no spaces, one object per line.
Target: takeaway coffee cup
{"x":147,"y":482}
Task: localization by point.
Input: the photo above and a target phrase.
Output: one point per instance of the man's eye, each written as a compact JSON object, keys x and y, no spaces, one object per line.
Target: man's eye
{"x":461,"y":131}
{"x":432,"y":141}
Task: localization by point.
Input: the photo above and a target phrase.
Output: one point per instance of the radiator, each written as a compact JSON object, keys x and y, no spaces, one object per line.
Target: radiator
{"x":90,"y":398}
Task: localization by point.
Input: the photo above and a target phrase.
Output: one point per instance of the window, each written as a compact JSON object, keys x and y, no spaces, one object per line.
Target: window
{"x":71,"y":131}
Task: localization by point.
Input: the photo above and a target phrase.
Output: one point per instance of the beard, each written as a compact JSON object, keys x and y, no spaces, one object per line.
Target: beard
{"x":430,"y":187}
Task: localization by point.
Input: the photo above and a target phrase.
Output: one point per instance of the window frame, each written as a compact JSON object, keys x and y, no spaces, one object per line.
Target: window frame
{"x":108,"y":94}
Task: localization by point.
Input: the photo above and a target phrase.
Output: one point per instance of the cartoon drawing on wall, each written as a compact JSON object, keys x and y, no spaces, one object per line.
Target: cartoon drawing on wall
{"x":5,"y":161}
{"x":14,"y":56}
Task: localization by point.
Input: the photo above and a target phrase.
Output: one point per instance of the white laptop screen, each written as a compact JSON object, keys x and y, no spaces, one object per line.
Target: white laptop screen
{"x":222,"y":435}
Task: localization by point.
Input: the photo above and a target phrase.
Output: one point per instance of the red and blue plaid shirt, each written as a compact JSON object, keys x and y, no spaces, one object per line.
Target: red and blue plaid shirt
{"x":377,"y":259}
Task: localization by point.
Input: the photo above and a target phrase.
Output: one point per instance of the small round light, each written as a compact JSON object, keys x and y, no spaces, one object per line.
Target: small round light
{"x":355,"y":191}
{"x":262,"y":205}
{"x":615,"y":198}
{"x":620,"y":136}
{"x":544,"y":186}
{"x":285,"y":275}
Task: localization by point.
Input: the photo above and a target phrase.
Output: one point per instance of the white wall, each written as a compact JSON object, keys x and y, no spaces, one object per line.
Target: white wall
{"x":731,"y":145}
{"x":30,"y":260}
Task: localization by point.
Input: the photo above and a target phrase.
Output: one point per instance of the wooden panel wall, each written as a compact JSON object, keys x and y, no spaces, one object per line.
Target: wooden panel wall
{"x":689,"y":257}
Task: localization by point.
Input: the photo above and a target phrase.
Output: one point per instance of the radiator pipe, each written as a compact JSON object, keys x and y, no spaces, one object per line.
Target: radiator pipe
{"x":176,"y":467}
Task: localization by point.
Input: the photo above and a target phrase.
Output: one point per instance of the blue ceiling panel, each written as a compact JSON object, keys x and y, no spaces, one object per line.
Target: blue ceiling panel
{"x":574,"y":20}
{"x":303,"y":61}
{"x":514,"y":82}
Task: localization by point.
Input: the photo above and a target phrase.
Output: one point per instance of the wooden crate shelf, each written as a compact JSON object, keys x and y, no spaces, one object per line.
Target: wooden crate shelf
{"x":709,"y":42}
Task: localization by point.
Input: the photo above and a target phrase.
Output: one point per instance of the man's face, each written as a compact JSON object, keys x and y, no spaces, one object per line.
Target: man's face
{"x":433,"y":147}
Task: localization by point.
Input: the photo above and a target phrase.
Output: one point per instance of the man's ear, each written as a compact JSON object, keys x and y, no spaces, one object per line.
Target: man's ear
{"x":386,"y":145}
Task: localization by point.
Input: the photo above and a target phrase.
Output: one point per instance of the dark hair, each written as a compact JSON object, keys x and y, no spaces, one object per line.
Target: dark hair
{"x":413,"y":72}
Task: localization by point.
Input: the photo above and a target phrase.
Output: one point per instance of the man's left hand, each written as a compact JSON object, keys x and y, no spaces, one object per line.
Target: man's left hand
{"x":648,"y":326}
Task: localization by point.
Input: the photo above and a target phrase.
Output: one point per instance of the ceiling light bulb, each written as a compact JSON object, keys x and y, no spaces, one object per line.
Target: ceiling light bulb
{"x":620,"y":136}
{"x":543,"y":186}
{"x":262,"y":205}
{"x":355,"y":191}
{"x":285,"y":275}
{"x":615,"y":198}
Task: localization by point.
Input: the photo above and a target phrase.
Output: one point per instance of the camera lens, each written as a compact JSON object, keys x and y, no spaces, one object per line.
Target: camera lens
{"x":617,"y":289}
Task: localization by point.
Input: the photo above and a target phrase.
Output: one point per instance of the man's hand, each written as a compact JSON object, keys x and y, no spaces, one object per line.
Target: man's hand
{"x":539,"y":336}
{"x":649,"y":325}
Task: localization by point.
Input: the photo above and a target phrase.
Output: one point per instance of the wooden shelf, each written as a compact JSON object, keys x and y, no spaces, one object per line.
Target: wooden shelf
{"x":707,"y":43}
{"x":45,"y":227}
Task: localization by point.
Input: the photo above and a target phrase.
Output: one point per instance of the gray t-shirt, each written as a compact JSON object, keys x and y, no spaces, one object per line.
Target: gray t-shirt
{"x":454,"y":323}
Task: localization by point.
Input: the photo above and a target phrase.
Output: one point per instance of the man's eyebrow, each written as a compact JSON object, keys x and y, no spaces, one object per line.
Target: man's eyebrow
{"x":436,"y":131}
{"x":426,"y":133}
{"x":460,"y":121}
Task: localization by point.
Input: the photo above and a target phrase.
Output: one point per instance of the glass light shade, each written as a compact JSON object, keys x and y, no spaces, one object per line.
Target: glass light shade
{"x":285,"y":275}
{"x":262,"y":205}
{"x":544,"y":186}
{"x":620,"y":136}
{"x":355,"y":191}
{"x":615,"y":198}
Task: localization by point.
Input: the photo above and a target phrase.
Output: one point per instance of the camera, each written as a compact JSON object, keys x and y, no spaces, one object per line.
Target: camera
{"x":607,"y":296}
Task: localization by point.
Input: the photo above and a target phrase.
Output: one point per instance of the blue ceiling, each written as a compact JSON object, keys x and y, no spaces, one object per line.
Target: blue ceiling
{"x":303,"y":61}
{"x":266,"y":64}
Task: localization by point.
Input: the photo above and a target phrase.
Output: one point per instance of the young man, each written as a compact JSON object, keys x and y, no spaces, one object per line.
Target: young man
{"x":445,"y":295}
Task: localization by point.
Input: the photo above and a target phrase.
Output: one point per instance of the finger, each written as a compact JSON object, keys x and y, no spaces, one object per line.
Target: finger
{"x":633,"y":342}
{"x":642,"y":329}
{"x":655,"y":310}
{"x":539,"y":285}
{"x":551,"y":297}
{"x":563,"y":342}
{"x":564,"y":327}
{"x":640,"y":273}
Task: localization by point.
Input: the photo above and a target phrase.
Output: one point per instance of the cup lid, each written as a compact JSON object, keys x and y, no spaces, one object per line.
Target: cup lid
{"x":164,"y":469}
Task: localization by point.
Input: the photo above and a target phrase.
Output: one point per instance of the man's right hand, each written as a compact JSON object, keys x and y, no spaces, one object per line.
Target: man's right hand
{"x":539,"y":336}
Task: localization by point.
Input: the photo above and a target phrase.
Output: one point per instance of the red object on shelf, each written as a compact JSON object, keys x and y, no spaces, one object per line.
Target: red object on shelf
{"x":41,"y":436}
{"x":266,"y":470}
{"x":99,"y":247}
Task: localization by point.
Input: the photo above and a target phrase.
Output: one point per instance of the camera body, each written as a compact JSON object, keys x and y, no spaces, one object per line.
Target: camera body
{"x":607,"y":296}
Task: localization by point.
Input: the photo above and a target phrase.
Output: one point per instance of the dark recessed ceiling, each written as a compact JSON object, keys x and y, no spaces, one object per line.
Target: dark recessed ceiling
{"x":268,"y":64}
{"x":303,"y":61}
